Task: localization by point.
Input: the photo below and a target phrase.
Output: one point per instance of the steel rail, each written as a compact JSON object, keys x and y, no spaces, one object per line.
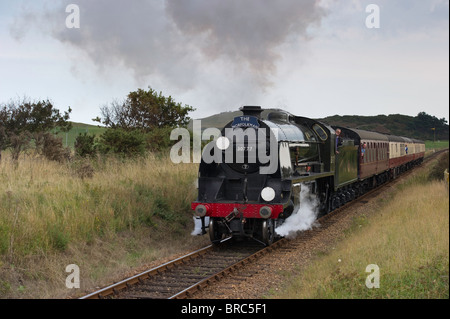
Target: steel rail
{"x":188,"y":292}
{"x":124,"y":284}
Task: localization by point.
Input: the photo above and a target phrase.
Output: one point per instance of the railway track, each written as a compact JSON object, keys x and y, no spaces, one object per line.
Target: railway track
{"x":185,"y":276}
{"x":182,"y":277}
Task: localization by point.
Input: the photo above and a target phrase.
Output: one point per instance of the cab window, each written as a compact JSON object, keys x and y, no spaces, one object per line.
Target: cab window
{"x":285,"y":160}
{"x":320,"y":132}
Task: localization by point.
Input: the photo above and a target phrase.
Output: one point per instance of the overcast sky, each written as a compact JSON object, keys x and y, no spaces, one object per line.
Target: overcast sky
{"x":311,"y":58}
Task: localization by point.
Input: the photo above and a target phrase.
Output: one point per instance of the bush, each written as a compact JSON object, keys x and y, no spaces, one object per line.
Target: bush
{"x":158,"y":139}
{"x":51,"y":147}
{"x":123,"y":143}
{"x":85,"y":145}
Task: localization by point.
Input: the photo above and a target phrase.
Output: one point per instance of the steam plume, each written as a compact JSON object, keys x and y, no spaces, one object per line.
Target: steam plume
{"x":181,"y":41}
{"x":303,"y":218}
{"x":198,"y":226}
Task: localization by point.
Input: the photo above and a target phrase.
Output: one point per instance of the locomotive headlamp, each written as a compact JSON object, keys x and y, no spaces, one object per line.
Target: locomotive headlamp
{"x":222,"y":143}
{"x":200,"y":210}
{"x":268,"y":194}
{"x":265,"y":212}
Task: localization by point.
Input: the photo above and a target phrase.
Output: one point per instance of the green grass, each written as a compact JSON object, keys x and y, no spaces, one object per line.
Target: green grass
{"x":436,"y":145}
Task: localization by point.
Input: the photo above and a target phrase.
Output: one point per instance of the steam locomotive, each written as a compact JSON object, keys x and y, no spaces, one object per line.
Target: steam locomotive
{"x":250,"y":178}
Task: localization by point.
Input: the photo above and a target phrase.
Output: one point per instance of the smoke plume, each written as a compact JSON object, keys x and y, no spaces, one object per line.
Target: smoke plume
{"x":183,"y":43}
{"x":304,"y":217}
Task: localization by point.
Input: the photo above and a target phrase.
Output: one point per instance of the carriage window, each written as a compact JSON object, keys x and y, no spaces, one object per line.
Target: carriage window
{"x":373,"y":152}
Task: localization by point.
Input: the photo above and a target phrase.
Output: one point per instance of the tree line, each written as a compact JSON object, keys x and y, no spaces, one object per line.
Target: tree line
{"x":140,"y":122}
{"x":143,"y":121}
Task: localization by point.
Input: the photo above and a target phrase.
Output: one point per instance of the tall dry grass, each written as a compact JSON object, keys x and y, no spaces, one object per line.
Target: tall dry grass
{"x":409,"y":241}
{"x":46,"y":205}
{"x":50,"y":210}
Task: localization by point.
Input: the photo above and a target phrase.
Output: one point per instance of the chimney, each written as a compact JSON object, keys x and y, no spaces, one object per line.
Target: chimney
{"x":252,"y":111}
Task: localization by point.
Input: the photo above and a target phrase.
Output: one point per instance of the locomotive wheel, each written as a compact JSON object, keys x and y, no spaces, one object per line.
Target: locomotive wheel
{"x":268,"y":232}
{"x":215,"y":235}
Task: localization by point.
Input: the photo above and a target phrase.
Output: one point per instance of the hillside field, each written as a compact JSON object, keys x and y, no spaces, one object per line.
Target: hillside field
{"x":68,"y":138}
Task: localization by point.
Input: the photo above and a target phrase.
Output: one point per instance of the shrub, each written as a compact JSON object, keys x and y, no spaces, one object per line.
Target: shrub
{"x":51,"y":146}
{"x":123,"y":143}
{"x":84,"y":145}
{"x":158,"y":139}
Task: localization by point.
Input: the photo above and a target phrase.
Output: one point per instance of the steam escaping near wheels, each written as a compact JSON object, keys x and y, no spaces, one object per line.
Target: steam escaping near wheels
{"x":304,"y":217}
{"x":198,"y":226}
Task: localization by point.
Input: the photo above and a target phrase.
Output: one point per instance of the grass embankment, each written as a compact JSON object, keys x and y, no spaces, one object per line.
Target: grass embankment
{"x":103,"y":215}
{"x":408,"y":239}
{"x":436,"y":145}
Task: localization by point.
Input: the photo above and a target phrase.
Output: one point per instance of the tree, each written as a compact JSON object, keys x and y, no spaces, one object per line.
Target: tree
{"x":145,"y":111}
{"x":24,"y":121}
{"x":430,"y":125}
{"x":147,"y":116}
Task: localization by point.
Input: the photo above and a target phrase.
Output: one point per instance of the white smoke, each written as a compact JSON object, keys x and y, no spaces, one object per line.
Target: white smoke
{"x":304,"y":217}
{"x":198,"y":226}
{"x":228,"y":49}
